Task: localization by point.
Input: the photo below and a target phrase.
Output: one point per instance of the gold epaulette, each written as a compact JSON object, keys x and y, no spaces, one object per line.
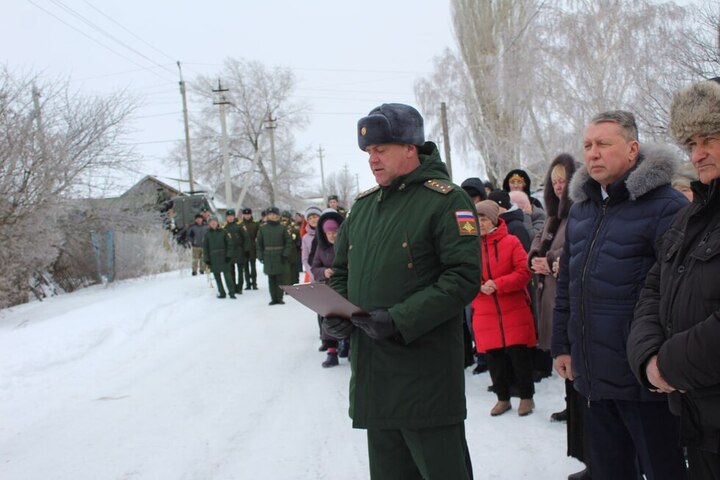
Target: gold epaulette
{"x":439,"y":186}
{"x":367,"y":192}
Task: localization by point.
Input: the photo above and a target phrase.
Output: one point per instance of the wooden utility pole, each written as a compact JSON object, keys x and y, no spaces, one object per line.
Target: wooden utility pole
{"x":224,"y":140}
{"x":271,"y":126}
{"x":322,"y":176}
{"x":446,"y":138}
{"x":187,"y":130}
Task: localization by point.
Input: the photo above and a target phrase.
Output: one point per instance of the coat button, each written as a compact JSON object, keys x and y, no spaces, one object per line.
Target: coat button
{"x":708,"y":251}
{"x":404,"y":244}
{"x":410,"y":265}
{"x":350,"y":247}
{"x":681,"y":268}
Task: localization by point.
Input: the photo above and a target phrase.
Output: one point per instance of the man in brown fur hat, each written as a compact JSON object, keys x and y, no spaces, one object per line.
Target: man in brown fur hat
{"x":674,"y":342}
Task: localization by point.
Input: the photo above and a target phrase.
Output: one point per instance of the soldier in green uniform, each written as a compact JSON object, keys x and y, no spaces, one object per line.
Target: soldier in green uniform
{"x":215,"y":253}
{"x":294,"y":264}
{"x":408,"y":254}
{"x":251,"y":227}
{"x":238,"y":242}
{"x":273,"y":251}
{"x":334,"y":203}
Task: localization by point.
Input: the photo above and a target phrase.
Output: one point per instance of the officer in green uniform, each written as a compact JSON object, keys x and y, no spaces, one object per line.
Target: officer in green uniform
{"x":333,"y":203}
{"x":238,"y":242}
{"x":273,"y":251}
{"x":215,"y":253}
{"x":408,"y":254}
{"x":251,"y":227}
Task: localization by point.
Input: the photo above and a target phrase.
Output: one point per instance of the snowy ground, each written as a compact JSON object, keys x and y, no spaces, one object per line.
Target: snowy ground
{"x":157,"y":379}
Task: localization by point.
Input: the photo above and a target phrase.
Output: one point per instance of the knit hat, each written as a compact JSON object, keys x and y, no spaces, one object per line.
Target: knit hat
{"x":695,"y":110}
{"x":501,"y":197}
{"x":330,"y":225}
{"x":391,"y":123}
{"x":312,"y":211}
{"x":489,"y":209}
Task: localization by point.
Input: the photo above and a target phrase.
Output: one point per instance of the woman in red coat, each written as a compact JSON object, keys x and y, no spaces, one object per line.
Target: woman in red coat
{"x":502,"y":319}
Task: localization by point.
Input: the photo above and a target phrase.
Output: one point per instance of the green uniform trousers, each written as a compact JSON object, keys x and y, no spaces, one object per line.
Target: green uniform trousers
{"x":437,"y":453}
{"x":228,"y":281}
{"x":274,"y":282}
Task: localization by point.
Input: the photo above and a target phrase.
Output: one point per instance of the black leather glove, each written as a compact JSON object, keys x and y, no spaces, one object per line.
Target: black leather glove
{"x":378,"y":325}
{"x":336,"y":327}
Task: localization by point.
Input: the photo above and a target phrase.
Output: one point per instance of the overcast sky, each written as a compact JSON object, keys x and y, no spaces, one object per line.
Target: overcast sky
{"x":348,"y":57}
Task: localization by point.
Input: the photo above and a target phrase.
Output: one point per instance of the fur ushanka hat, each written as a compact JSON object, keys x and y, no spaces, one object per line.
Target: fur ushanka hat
{"x":695,"y":110}
{"x":391,"y":123}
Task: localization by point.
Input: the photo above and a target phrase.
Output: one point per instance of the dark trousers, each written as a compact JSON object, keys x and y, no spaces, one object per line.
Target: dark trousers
{"x":437,"y":453}
{"x":228,"y":281}
{"x":503,"y":362}
{"x":236,"y":271}
{"x":626,"y":438}
{"x":577,"y":439}
{"x":704,"y":465}
{"x":274,"y":282}
{"x":250,"y":272}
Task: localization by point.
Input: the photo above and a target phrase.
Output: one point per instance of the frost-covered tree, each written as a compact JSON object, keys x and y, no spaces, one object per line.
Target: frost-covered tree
{"x":344,"y":185}
{"x":54,"y":144}
{"x":527,"y":76}
{"x":259,"y":99}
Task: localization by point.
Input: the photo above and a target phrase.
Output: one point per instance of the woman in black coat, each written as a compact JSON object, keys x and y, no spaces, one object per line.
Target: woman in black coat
{"x":321,"y":267}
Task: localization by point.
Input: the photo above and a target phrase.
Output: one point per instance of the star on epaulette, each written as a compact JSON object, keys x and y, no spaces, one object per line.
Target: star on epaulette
{"x":439,"y":186}
{"x":367,"y":192}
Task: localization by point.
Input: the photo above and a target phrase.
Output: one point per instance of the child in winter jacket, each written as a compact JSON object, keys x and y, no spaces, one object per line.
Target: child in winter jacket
{"x":502,"y":318}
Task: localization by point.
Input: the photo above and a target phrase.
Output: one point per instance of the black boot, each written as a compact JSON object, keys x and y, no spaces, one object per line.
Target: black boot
{"x":584,"y":474}
{"x":559,"y":416}
{"x":323,"y":346}
{"x":331,"y":360}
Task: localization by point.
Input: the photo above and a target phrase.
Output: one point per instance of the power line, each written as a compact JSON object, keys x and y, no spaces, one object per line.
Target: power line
{"x":128,"y":30}
{"x":92,"y":38}
{"x":102,"y":31}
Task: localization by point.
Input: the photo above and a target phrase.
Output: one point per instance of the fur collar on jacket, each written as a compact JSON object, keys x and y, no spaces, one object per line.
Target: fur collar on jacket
{"x":655,"y":167}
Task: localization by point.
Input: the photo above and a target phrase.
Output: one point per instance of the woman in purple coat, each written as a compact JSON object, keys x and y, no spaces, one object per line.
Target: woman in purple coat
{"x":322,"y":260}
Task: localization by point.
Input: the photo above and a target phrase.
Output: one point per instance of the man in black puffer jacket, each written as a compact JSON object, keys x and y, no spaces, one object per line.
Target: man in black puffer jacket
{"x":674,"y":343}
{"x":622,"y":204}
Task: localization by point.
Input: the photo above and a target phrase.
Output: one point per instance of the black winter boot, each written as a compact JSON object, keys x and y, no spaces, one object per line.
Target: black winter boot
{"x":331,"y":360}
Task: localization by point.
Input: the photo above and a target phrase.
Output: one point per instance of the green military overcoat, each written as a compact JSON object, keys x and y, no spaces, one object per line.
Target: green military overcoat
{"x":411,"y":248}
{"x":215,"y":248}
{"x":251,"y":227}
{"x":238,"y":241}
{"x":273,"y":248}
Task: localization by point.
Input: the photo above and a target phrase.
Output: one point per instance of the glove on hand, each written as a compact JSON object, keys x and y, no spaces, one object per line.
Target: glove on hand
{"x":336,"y":327}
{"x":378,"y":325}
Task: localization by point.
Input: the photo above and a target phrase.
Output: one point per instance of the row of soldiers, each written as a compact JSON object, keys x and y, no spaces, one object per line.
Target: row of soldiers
{"x":229,"y":250}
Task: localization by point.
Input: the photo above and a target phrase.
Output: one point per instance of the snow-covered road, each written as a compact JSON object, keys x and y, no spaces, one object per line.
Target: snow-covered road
{"x":157,"y":379}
